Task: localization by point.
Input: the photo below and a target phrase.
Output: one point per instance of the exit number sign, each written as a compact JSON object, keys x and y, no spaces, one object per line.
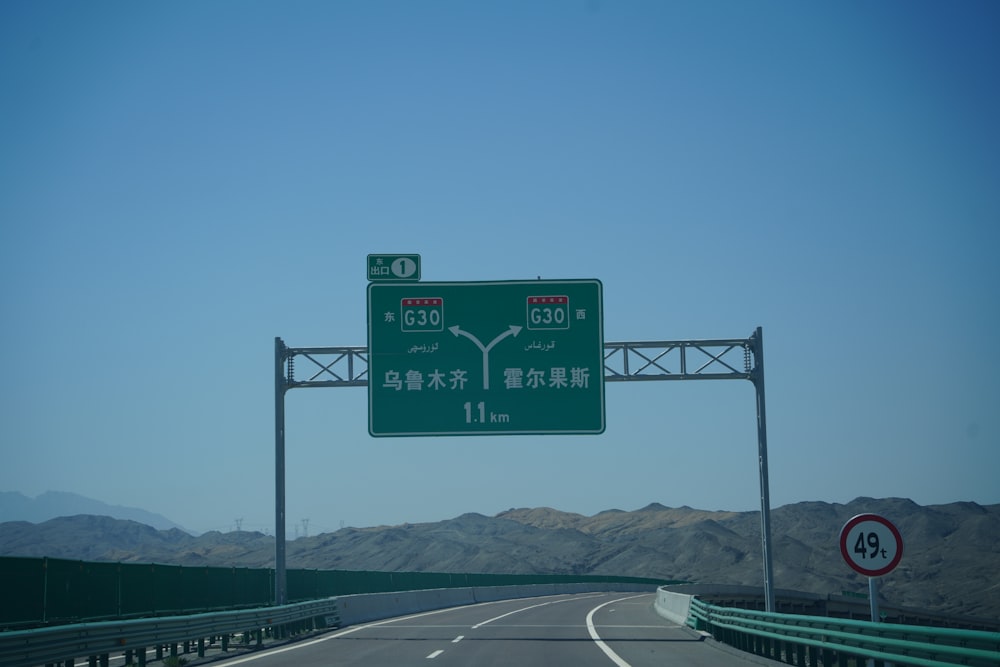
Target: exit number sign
{"x":485,"y":358}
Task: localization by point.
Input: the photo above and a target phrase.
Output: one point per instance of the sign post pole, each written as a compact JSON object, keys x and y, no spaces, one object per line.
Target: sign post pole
{"x":873,"y":598}
{"x":757,"y":377}
{"x":872,"y":546}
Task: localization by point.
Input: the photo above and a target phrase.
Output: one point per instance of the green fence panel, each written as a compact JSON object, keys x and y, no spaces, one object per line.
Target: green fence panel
{"x":205,"y":587}
{"x":51,"y":590}
{"x":408,"y":581}
{"x":253,"y":586}
{"x":342,"y":582}
{"x":327,"y":582}
{"x":100,"y":584}
{"x":200,"y":588}
{"x":168,"y":587}
{"x":376,"y":582}
{"x":65,"y":597}
{"x":439,"y":580}
{"x":23,"y":584}
{"x":302,"y":585}
{"x":137,"y":589}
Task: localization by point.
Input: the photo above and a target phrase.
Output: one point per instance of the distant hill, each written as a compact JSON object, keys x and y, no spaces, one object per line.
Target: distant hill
{"x":951,"y":556}
{"x":51,"y":504}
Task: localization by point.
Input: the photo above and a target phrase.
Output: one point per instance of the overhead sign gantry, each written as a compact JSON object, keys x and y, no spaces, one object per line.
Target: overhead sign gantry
{"x":499,"y":358}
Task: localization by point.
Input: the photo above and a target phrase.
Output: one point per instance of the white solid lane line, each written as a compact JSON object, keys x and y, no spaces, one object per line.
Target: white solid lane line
{"x":352,"y":629}
{"x":615,"y":658}
{"x":517,"y":611}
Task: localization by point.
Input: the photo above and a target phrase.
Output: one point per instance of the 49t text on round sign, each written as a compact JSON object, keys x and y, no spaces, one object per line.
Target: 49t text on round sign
{"x":871,"y":545}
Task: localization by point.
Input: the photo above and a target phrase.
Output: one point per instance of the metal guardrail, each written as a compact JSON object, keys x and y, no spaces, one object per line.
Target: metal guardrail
{"x":43,"y":646}
{"x":795,"y":639}
{"x":96,"y":641}
{"x":818,"y":640}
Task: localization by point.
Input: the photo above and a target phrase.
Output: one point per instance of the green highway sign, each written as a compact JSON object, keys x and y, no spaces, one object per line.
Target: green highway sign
{"x":394,"y":267}
{"x":485,"y":358}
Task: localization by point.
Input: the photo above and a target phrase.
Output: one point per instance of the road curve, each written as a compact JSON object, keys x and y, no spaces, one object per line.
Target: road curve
{"x":584,"y":630}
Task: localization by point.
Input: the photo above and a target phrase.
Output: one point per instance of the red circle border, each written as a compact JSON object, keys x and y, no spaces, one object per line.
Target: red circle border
{"x":855,"y":520}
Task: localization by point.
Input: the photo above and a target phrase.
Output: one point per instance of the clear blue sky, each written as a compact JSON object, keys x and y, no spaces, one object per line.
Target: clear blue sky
{"x":182,"y":182}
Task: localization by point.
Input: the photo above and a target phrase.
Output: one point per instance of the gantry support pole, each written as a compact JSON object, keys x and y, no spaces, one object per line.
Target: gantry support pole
{"x":757,"y":377}
{"x":280,"y":581}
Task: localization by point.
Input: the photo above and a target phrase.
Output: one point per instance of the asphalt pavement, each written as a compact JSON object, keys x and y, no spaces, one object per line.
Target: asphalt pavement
{"x":584,"y":630}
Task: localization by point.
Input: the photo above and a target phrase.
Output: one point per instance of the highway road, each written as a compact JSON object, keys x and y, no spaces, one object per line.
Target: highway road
{"x":584,"y":630}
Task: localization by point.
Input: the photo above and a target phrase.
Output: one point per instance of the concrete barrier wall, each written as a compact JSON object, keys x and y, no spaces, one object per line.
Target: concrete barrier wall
{"x":673,"y":606}
{"x":369,"y":607}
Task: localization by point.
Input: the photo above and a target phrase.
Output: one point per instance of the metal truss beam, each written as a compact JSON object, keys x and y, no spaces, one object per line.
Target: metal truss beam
{"x":726,"y":359}
{"x":721,"y":359}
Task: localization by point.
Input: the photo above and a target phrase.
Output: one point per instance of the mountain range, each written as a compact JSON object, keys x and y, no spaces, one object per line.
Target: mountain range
{"x":950,"y":564}
{"x":51,"y":504}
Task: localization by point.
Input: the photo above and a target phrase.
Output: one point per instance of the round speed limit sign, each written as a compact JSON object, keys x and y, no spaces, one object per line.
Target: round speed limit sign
{"x":871,"y":545}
